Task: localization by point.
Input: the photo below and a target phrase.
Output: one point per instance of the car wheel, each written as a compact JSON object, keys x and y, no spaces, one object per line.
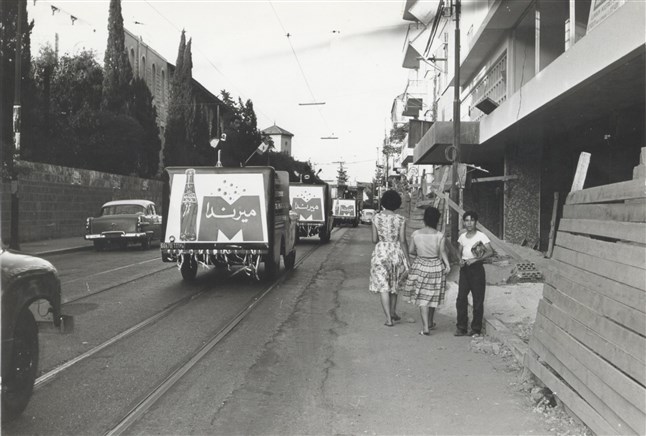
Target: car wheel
{"x":99,"y":245}
{"x":189,"y":268}
{"x":290,"y":260}
{"x":18,"y":383}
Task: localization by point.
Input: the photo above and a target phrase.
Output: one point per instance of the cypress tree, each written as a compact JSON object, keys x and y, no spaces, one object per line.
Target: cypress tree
{"x":180,"y":103}
{"x":147,"y":152}
{"x":117,"y":76}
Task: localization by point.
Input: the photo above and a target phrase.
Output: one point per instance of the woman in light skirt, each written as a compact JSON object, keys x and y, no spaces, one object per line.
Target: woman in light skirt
{"x":426,"y":282}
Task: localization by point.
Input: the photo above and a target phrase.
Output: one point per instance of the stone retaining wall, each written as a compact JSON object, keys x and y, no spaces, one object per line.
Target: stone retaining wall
{"x":54,"y":201}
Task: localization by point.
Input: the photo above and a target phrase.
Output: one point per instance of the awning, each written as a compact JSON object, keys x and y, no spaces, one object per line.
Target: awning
{"x":416,"y":48}
{"x":407,"y":15}
{"x":411,"y":57}
{"x":424,"y":11}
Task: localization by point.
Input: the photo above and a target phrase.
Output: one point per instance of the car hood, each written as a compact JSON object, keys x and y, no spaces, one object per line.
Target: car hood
{"x":14,"y":265}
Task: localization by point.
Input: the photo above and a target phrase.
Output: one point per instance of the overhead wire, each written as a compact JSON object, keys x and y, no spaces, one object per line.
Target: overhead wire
{"x":236,"y":88}
{"x":298,"y":62}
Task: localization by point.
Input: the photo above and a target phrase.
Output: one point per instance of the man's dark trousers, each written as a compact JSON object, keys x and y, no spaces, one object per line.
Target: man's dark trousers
{"x":472,"y":279}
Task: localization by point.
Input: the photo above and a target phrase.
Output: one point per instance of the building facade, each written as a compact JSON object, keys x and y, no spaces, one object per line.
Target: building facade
{"x":157,"y":72}
{"x":281,"y":137}
{"x":540,"y":83}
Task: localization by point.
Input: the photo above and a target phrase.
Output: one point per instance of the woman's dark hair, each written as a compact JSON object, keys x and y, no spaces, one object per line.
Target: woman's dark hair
{"x":470,"y":213}
{"x":431,"y":217}
{"x":391,"y":200}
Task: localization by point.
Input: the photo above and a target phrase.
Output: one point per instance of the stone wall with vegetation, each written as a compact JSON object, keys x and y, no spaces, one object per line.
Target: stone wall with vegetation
{"x":54,"y":201}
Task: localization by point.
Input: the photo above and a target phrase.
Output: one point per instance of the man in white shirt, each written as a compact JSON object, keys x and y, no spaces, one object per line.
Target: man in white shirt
{"x":475,"y":246}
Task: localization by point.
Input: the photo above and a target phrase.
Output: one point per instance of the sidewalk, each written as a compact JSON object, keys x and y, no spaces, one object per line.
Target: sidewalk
{"x":55,"y":246}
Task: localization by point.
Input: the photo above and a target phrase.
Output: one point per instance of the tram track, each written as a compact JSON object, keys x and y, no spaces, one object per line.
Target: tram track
{"x":116,"y":285}
{"x":191,"y":360}
{"x":58,"y":370}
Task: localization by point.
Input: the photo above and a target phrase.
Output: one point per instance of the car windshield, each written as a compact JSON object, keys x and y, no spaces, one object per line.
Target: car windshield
{"x":122,"y":209}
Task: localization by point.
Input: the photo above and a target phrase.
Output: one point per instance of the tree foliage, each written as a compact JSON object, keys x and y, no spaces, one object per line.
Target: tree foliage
{"x":341,"y":176}
{"x":118,"y":75}
{"x":179,"y":106}
{"x":147,"y":152}
{"x":9,"y":11}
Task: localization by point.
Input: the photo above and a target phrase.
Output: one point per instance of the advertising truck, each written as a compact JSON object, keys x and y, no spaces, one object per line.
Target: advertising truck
{"x":230,"y":218}
{"x":313,"y":205}
{"x":345,"y":211}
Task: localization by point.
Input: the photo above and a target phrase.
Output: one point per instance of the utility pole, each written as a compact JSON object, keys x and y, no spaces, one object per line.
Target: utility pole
{"x":455,"y":193}
{"x":14,"y":242}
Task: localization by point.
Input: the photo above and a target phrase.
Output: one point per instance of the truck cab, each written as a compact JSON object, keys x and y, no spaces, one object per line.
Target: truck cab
{"x":231,"y":218}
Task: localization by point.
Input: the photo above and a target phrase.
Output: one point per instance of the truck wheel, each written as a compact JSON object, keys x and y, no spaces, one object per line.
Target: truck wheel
{"x":272,"y":266}
{"x":324,"y":235}
{"x":355,"y":223}
{"x":290,"y":260}
{"x":18,"y":382}
{"x":189,"y":268}
{"x":99,"y":245}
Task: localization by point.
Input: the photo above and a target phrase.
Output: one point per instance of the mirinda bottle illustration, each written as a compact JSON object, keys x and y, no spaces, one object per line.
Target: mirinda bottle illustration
{"x":188,"y":219}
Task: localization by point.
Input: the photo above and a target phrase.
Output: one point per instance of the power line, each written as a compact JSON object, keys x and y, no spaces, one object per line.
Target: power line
{"x":241,"y":94}
{"x":309,"y":88}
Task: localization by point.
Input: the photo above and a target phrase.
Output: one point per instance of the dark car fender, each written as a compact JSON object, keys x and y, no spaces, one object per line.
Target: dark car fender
{"x":26,"y":279}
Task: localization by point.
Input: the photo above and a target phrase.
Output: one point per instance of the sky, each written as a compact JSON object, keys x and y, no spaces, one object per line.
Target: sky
{"x":345,"y":54}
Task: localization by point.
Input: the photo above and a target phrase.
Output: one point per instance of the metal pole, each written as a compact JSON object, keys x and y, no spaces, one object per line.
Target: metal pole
{"x":14,"y":242}
{"x":455,"y":193}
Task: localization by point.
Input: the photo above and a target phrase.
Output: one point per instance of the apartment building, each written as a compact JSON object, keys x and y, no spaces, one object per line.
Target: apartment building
{"x":540,"y":82}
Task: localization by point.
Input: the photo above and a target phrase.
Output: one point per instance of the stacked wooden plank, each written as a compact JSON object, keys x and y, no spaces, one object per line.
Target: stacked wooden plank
{"x":589,"y":339}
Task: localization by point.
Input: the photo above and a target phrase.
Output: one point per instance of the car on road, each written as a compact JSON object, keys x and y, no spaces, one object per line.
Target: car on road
{"x":122,"y":222}
{"x":26,"y":281}
{"x":366,"y":216}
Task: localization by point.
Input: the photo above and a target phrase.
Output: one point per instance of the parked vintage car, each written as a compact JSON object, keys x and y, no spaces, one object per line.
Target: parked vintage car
{"x":124,"y":221}
{"x":366,"y":216}
{"x":25,"y":280}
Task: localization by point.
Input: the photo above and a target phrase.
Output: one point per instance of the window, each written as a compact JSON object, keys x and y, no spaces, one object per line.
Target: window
{"x":153,"y":82}
{"x":142,"y":71}
{"x":163,"y":87}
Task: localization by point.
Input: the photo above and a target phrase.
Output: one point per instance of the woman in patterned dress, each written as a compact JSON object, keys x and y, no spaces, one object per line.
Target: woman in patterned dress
{"x":426,"y":281}
{"x":389,"y":261}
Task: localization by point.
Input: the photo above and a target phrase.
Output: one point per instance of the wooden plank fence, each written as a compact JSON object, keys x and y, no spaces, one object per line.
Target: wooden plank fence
{"x":588,"y":344}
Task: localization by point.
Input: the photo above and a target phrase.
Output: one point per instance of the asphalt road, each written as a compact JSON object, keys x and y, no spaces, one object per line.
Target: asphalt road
{"x":313,"y":357}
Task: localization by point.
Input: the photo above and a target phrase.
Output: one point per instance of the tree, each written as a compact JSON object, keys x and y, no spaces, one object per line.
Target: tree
{"x":181,"y":99}
{"x":9,"y":11}
{"x":43,"y":68}
{"x":341,"y":176}
{"x":75,"y":96}
{"x":118,"y":76}
{"x":147,"y":152}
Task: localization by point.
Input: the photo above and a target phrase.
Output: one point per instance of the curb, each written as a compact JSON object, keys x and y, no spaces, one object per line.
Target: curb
{"x":47,"y":252}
